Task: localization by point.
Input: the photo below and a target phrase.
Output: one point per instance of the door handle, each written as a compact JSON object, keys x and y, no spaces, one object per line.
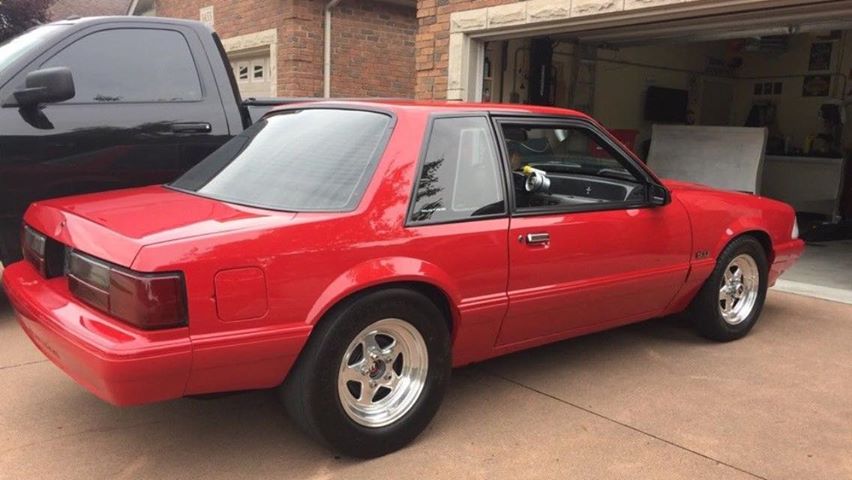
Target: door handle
{"x":537,"y":238}
{"x":192,"y":127}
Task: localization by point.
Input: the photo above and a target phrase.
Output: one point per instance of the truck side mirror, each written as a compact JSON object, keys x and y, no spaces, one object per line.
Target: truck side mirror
{"x":48,"y":85}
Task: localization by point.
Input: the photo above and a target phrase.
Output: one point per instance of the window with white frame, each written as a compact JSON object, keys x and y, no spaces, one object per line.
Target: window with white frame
{"x":252,"y":74}
{"x":258,"y":71}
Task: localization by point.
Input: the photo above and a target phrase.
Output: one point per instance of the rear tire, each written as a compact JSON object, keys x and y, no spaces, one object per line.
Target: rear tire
{"x":730,"y":301}
{"x":372,"y":374}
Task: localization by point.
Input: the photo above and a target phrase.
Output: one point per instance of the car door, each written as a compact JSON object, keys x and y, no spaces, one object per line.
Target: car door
{"x":145,"y":110}
{"x":589,"y":251}
{"x":458,"y":221}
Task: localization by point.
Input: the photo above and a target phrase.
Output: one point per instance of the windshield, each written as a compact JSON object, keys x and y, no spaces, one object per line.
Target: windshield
{"x":15,"y":47}
{"x":301,"y":160}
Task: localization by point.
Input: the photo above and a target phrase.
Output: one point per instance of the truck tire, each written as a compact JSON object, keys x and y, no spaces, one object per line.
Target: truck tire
{"x":372,"y":375}
{"x":730,"y":301}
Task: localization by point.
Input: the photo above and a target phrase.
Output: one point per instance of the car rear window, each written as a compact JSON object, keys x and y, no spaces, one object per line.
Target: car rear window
{"x":302,"y":160}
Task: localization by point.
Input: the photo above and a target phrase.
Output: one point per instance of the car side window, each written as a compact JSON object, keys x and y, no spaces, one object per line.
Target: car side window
{"x":140,"y":65}
{"x":562,"y":167}
{"x":459,"y":176}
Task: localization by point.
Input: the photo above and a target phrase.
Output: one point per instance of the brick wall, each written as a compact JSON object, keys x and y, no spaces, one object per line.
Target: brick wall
{"x":300,"y":40}
{"x":239,"y":17}
{"x":372,"y":42}
{"x":373,"y":49}
{"x":433,"y":40}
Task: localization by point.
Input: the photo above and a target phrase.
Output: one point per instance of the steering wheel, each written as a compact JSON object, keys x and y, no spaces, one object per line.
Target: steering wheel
{"x":537,"y":180}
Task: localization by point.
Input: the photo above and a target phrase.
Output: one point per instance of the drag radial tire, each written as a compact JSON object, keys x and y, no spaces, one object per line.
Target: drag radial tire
{"x":730,"y":301}
{"x":372,"y":374}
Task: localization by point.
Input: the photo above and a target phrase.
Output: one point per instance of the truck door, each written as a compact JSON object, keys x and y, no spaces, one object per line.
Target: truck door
{"x":146,"y":109}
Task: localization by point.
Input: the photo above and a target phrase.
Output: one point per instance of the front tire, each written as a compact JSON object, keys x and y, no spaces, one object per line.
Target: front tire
{"x":730,"y":301}
{"x":373,"y":373}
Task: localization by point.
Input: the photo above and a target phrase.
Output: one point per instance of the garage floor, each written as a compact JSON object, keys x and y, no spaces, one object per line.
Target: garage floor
{"x":823,"y":271}
{"x":646,"y":401}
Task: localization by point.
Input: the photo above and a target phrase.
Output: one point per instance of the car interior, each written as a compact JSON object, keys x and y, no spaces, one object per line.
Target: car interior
{"x":554,"y":166}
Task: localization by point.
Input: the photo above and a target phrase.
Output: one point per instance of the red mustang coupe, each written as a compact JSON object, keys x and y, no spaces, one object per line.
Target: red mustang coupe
{"x":351,"y":253}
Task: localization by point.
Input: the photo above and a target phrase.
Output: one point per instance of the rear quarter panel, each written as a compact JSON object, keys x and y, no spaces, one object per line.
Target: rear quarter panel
{"x":318,"y":259}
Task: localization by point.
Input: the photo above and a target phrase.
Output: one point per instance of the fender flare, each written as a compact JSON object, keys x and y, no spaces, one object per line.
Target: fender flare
{"x":380,"y":271}
{"x":741,"y":226}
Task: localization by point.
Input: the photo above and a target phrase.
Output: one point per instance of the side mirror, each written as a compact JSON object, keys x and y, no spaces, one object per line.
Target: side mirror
{"x":49,"y":85}
{"x":659,"y":195}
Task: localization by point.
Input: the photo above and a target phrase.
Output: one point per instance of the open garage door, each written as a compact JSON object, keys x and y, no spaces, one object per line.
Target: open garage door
{"x":784,"y":19}
{"x":783,"y":72}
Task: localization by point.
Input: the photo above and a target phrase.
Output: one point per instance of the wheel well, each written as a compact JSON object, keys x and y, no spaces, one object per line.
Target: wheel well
{"x":433,"y":293}
{"x":764,"y":241}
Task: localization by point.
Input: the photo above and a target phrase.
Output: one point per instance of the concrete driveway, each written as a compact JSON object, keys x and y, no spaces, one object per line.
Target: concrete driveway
{"x":646,"y":401}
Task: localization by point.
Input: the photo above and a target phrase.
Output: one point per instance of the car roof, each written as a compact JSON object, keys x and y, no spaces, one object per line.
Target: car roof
{"x":399,"y":105}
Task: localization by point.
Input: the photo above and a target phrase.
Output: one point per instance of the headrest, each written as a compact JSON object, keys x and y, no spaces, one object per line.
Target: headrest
{"x":518,"y":134}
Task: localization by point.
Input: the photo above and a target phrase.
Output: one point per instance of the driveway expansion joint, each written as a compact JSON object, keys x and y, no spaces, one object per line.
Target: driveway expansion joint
{"x":24,"y":364}
{"x":622,"y":424}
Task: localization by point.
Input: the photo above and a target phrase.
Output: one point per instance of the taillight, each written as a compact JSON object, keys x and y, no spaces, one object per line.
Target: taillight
{"x":147,"y":300}
{"x":44,"y":253}
{"x":34,"y":246}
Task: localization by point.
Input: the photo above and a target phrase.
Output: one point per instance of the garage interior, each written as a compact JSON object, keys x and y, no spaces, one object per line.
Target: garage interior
{"x":783,"y":77}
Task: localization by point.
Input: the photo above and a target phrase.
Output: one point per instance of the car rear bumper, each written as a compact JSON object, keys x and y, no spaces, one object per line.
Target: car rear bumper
{"x":785,"y":255}
{"x":119,"y":364}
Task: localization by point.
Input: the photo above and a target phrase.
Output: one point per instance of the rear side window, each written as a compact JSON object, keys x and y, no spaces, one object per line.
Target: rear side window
{"x":460,"y":175}
{"x":301,"y":160}
{"x":131,"y":65}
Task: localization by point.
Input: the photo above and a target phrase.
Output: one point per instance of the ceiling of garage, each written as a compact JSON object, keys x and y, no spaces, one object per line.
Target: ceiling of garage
{"x":782,"y":21}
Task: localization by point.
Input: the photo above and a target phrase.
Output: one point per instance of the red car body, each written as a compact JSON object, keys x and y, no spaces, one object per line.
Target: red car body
{"x":257,"y":280}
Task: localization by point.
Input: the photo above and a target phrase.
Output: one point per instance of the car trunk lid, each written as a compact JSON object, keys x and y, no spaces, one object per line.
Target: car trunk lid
{"x":114,"y":226}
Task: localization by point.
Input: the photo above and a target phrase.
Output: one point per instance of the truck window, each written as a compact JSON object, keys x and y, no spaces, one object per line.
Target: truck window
{"x":140,"y":65}
{"x":15,"y":47}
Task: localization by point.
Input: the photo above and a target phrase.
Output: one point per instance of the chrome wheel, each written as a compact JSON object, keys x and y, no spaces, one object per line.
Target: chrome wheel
{"x":382,"y":373}
{"x":739,"y":289}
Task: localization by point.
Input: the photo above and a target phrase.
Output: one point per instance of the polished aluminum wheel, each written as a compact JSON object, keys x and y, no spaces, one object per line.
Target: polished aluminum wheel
{"x":739,"y":290}
{"x":382,"y":373}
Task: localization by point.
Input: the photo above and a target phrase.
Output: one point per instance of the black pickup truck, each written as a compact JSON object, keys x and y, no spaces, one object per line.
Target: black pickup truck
{"x":109,"y":102}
